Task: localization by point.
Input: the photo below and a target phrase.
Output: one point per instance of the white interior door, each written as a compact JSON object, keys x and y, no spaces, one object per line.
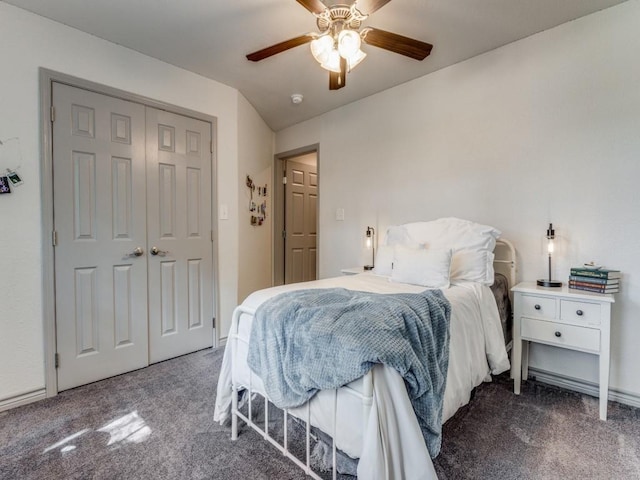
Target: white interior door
{"x":301,"y":207}
{"x":179,"y":230}
{"x":100,"y":220}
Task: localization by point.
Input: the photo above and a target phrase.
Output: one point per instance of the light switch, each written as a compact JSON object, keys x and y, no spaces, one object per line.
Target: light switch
{"x":340,"y":214}
{"x":224,"y":212}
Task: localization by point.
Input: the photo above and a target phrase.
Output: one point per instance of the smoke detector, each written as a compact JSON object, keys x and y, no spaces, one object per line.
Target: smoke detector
{"x":297,"y":98}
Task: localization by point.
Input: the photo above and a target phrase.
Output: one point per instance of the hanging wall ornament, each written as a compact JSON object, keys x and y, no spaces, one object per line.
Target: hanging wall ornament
{"x":14,"y":178}
{"x":10,"y":156}
{"x":4,"y":185}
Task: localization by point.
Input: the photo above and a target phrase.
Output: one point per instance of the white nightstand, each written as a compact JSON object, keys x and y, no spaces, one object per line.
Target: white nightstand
{"x":353,"y":271}
{"x":564,"y":318}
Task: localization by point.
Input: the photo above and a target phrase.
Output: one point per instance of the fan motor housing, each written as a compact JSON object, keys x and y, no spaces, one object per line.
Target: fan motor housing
{"x":348,"y":16}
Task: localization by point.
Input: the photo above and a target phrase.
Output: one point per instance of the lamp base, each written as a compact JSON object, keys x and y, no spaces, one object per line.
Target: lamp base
{"x":368,"y":267}
{"x":549,"y":283}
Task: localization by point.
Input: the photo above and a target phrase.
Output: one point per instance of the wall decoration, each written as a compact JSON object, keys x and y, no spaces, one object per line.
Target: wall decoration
{"x":14,"y":178}
{"x":4,"y":185}
{"x":258,"y":206}
{"x":10,"y":156}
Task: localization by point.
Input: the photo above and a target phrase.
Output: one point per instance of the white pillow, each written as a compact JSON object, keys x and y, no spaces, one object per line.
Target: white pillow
{"x":385,"y":256}
{"x":384,"y":260}
{"x":453,"y":233}
{"x":397,"y":235}
{"x":472,"y":266}
{"x":428,"y":268}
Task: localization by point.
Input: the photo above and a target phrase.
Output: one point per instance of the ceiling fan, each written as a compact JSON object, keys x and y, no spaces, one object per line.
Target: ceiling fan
{"x":337,"y":46}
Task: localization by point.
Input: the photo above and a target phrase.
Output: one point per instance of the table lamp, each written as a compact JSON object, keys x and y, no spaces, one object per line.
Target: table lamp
{"x":548,"y":282}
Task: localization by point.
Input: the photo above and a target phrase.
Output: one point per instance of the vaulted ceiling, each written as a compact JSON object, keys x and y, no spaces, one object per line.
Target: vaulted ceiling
{"x":212,"y":37}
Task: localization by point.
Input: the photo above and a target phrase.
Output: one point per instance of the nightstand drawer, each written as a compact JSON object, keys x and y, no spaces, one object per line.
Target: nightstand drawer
{"x":562,"y":335}
{"x":580,"y":312}
{"x":534,"y":306}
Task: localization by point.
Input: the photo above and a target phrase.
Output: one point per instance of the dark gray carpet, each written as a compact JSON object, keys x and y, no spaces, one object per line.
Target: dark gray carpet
{"x":544,"y":433}
{"x":157,"y":423}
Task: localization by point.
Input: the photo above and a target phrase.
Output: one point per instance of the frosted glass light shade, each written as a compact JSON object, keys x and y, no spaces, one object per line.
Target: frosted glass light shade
{"x":333,"y":62}
{"x":355,"y":59}
{"x":348,"y":43}
{"x":327,"y":50}
{"x":321,"y":47}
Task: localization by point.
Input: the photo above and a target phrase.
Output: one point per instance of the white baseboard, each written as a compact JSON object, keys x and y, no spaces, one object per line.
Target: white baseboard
{"x":582,"y":386}
{"x":22,"y":399}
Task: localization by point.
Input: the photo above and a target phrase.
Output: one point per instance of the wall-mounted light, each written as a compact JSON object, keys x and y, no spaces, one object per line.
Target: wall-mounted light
{"x":551,"y":235}
{"x":370,"y":237}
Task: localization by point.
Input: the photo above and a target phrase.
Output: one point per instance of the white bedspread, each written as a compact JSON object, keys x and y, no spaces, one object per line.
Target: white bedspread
{"x":390,"y":445}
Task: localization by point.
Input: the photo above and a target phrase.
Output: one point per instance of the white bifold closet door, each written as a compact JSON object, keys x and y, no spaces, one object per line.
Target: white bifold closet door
{"x":123,"y":184}
{"x":179,"y":232}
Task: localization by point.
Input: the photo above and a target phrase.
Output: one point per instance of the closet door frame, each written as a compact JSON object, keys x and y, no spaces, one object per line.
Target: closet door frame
{"x":47,"y":78}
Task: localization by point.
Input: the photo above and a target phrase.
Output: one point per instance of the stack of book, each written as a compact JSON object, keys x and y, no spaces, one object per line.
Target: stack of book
{"x":598,"y":280}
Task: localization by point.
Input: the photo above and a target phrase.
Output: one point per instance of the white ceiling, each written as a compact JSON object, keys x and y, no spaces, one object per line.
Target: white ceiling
{"x":212,"y":37}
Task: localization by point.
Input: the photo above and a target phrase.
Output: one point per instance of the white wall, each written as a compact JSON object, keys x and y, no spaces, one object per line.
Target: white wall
{"x":255,"y":158}
{"x":26,"y":43}
{"x":543,"y":130}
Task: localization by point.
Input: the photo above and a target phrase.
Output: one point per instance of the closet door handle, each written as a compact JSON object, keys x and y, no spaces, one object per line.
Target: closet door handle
{"x":137,"y":252}
{"x":156,"y":251}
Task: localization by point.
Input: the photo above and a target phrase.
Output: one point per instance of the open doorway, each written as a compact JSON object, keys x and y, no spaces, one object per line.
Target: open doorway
{"x":296,"y":216}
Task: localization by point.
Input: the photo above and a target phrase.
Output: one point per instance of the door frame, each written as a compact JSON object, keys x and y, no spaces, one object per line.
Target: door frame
{"x":279,"y":209}
{"x":47,"y":78}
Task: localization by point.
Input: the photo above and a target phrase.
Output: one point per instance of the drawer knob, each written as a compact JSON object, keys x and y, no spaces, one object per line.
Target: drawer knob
{"x":579,"y":313}
{"x":558,"y":334}
{"x":537,"y":307}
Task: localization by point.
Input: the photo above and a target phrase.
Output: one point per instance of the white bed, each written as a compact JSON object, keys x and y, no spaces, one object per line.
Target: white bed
{"x":372,"y":418}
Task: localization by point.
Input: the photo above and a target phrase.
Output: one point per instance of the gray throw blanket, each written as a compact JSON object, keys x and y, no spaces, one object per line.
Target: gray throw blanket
{"x":309,"y":340}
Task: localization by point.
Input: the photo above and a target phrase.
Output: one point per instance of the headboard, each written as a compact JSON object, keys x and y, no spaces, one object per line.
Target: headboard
{"x":505,"y":263}
{"x":505,"y":260}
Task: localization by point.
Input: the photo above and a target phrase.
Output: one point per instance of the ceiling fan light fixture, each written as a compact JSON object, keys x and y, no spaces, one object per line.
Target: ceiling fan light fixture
{"x":321,"y":48}
{"x":333,"y":62}
{"x":348,"y":43}
{"x":336,"y":45}
{"x":355,"y":59}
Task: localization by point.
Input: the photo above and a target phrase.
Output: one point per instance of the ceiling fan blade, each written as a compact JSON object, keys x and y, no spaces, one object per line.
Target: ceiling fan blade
{"x":367,"y":7}
{"x":338,"y":80}
{"x":314,"y":6}
{"x":280,"y":47}
{"x":396,"y":43}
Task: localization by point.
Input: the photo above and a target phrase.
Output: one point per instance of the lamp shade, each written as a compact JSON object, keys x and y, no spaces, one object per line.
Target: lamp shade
{"x":333,"y":62}
{"x":328,"y":48}
{"x":548,"y":282}
{"x":370,"y":239}
{"x":355,"y":59}
{"x":320,"y":48}
{"x":348,"y":43}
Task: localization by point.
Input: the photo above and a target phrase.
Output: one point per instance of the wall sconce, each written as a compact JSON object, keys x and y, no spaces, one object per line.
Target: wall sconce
{"x":551,"y":235}
{"x":370,"y":238}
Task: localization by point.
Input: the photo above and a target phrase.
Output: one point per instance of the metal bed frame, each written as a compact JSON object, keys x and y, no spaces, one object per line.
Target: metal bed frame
{"x":504,"y":262}
{"x":366,"y":397}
